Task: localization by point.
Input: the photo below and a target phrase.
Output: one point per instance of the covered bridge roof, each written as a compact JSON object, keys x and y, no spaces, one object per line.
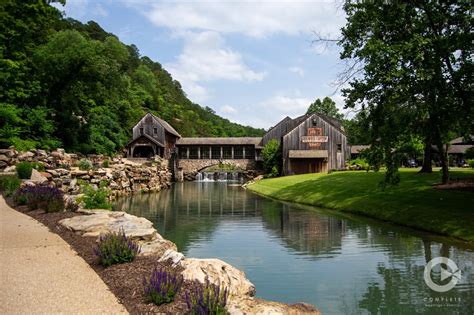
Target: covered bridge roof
{"x":256,"y":141}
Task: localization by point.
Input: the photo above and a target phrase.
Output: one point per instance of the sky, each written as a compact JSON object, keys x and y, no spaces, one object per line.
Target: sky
{"x":252,"y":62}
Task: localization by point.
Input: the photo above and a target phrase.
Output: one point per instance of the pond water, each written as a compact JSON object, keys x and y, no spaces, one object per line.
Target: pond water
{"x":342,"y":265}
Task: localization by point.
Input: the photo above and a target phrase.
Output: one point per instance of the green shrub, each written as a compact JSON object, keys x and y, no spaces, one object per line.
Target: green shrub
{"x":359,"y":164}
{"x":50,"y":199}
{"x":84,"y":164}
{"x":469,"y":153}
{"x":116,"y":248}
{"x":9,"y":184}
{"x":471,"y":163}
{"x":272,"y":158}
{"x":106,"y":163}
{"x":95,"y":198}
{"x":24,"y":169}
{"x":38,"y":166}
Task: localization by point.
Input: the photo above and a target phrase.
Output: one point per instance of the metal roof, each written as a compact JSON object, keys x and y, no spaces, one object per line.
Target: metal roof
{"x":256,"y":141}
{"x":357,"y":148}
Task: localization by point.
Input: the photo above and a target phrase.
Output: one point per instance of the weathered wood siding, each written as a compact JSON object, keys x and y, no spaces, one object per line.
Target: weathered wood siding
{"x":148,"y":123}
{"x":292,"y":141}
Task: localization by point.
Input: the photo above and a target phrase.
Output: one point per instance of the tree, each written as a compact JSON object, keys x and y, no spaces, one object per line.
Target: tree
{"x":413,"y":62}
{"x":326,"y":107}
{"x":272,"y":158}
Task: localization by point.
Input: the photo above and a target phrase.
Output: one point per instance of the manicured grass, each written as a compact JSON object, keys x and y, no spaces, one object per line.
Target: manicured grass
{"x":414,"y":202}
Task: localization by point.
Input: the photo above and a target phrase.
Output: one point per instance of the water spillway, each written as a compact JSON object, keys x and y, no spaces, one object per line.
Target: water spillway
{"x":220,"y":176}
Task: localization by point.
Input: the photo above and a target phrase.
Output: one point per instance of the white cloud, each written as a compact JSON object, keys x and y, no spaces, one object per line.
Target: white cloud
{"x":227,"y":109}
{"x":255,"y":19}
{"x":299,"y":71}
{"x":205,"y":58}
{"x":280,"y":106}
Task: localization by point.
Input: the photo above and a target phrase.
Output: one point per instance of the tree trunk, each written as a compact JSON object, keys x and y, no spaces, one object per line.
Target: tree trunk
{"x":427,"y":167}
{"x":444,"y":163}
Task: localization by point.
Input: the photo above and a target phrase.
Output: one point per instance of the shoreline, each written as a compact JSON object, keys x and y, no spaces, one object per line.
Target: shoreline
{"x":125,"y":280}
{"x":280,"y":190}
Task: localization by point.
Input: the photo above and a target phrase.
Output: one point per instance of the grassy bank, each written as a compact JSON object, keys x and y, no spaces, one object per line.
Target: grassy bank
{"x":414,"y":202}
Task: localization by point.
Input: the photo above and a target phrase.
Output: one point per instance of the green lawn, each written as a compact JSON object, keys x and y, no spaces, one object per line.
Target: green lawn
{"x":414,"y":202}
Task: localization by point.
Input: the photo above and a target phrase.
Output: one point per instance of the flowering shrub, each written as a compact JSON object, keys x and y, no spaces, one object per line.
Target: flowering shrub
{"x":162,"y":286}
{"x":50,"y":199}
{"x":116,"y":248}
{"x":207,"y":299}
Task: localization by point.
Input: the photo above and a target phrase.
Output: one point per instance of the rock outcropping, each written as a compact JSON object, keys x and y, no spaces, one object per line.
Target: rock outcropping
{"x":242,"y":291}
{"x":122,"y":176}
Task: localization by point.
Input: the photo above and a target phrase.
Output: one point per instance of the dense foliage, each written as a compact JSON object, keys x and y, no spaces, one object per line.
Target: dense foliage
{"x":116,"y":248}
{"x":95,"y":198}
{"x":207,"y":299}
{"x":272,"y":158}
{"x":327,"y":107}
{"x":65,"y":83}
{"x":49,"y":199}
{"x":162,"y":286}
{"x":411,"y":74}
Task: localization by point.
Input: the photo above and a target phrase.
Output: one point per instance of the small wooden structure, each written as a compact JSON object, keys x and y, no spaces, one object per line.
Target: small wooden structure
{"x":152,"y":136}
{"x":230,"y":148}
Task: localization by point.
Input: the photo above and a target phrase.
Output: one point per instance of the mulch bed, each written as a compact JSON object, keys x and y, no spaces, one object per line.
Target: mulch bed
{"x":124,"y":280}
{"x":460,"y":184}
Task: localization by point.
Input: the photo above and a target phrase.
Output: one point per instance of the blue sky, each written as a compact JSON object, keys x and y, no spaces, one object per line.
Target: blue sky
{"x":252,"y":62}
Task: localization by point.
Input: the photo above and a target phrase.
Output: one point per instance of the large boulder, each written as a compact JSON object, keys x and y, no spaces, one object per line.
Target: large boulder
{"x":249,"y":305}
{"x":38,"y":177}
{"x":104,"y":221}
{"x":219,"y":273}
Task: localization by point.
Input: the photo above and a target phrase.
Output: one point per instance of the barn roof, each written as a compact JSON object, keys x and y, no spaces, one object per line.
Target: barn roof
{"x":166,"y":125}
{"x":158,"y":143}
{"x":256,"y":141}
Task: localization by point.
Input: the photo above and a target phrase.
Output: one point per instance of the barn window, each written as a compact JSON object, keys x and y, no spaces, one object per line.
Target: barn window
{"x":155,"y":131}
{"x":141,"y":131}
{"x":205,"y":152}
{"x":314,"y":122}
{"x":238,"y":152}
{"x":339,"y":147}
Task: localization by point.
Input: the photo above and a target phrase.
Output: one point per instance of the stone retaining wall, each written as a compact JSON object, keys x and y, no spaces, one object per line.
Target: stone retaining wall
{"x":188,"y":168}
{"x":122,"y":176}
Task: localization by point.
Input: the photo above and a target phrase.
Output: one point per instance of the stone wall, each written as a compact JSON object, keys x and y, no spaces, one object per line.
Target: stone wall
{"x":123,"y":176}
{"x":188,"y":168}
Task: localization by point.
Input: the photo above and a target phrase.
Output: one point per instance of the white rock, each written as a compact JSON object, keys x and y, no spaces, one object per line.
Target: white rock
{"x":173,"y":255}
{"x":219,"y":273}
{"x":157,"y":247}
{"x":37,"y":177}
{"x":249,"y":305}
{"x":10,"y":169}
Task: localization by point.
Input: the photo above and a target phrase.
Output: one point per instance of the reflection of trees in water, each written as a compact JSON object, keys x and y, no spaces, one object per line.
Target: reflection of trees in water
{"x":304,"y":231}
{"x":402,"y":290}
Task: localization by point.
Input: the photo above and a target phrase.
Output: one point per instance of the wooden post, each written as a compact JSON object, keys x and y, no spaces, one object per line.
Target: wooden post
{"x":222,"y":153}
{"x":187,"y":153}
{"x":199,"y":153}
{"x":232,"y":150}
{"x":243,"y":152}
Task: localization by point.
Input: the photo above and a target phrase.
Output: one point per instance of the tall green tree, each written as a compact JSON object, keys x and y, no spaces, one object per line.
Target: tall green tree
{"x":414,"y":65}
{"x":326,"y":107}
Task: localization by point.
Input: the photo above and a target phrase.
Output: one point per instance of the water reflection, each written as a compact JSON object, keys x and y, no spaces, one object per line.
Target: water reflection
{"x":294,"y":254}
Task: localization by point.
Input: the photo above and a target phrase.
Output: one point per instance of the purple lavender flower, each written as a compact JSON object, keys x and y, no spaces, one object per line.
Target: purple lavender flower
{"x":162,"y":286}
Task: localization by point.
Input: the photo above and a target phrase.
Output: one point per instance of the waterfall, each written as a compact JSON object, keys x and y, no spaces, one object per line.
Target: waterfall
{"x":219,"y":176}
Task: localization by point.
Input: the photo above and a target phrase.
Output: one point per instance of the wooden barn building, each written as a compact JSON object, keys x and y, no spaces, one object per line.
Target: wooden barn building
{"x":152,"y":136}
{"x":311,"y":144}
